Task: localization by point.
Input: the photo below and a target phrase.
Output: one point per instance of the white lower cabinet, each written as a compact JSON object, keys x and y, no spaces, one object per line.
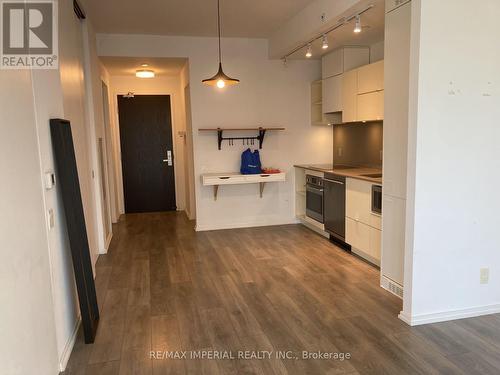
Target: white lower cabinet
{"x":357,"y":235}
{"x":364,"y":240}
{"x":375,"y":243}
{"x":363,"y":227}
{"x":393,"y":238}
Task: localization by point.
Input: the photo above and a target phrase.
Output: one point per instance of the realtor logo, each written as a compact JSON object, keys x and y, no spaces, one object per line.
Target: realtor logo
{"x":29,"y":34}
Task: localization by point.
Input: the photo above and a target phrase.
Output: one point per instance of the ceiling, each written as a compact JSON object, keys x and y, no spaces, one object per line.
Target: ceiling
{"x":124,"y":66}
{"x":240,"y":18}
{"x":372,"y":22}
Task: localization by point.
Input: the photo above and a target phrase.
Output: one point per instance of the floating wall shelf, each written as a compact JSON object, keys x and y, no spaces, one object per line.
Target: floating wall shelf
{"x":246,"y":140}
{"x":216,"y":179}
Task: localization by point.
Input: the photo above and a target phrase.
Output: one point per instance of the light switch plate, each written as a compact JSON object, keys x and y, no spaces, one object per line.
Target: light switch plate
{"x":484,"y":276}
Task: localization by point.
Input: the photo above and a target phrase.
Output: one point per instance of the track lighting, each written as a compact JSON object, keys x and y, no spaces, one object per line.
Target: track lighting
{"x":357,"y":26}
{"x":309,"y":52}
{"x":324,"y":44}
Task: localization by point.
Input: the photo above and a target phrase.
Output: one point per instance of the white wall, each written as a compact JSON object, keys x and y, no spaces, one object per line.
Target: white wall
{"x":188,"y":142}
{"x":59,"y":94}
{"x":27,"y":330}
{"x":454,"y":165}
{"x":160,"y":85}
{"x":270,"y":94}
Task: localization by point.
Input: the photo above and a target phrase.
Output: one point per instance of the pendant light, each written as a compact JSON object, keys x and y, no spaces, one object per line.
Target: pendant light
{"x":220,"y":79}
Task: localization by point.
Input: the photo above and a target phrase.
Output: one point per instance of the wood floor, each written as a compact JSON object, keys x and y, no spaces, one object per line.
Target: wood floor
{"x":163,"y":287}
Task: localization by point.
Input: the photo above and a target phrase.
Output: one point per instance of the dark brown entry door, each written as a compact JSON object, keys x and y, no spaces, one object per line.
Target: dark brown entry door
{"x":147,"y":153}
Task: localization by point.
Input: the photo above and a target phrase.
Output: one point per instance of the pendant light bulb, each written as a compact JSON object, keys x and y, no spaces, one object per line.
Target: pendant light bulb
{"x":221,"y":84}
{"x":357,"y":25}
{"x":324,"y":44}
{"x":309,"y":51}
{"x":220,"y":79}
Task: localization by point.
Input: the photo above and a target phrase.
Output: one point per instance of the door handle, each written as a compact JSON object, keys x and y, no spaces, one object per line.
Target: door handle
{"x":168,"y":160}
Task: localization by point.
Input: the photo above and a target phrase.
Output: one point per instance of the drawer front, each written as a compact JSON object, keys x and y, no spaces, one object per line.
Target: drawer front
{"x":223,"y":180}
{"x":358,"y":235}
{"x":375,"y":221}
{"x":375,"y":243}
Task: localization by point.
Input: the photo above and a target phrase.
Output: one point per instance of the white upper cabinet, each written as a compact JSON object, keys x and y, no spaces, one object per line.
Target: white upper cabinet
{"x":350,"y":96}
{"x":396,"y":91}
{"x":344,"y":59}
{"x":332,"y":94}
{"x":371,"y":78}
{"x":393,"y":4}
{"x":370,"y":106}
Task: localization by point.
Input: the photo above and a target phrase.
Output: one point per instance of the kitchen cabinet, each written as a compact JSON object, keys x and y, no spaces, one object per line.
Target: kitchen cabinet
{"x":393,"y":238}
{"x":357,"y":235}
{"x":371,"y":77}
{"x":364,"y":240}
{"x":396,"y":91}
{"x":317,"y":117}
{"x":344,"y":59}
{"x":332,"y":94}
{"x":363,"y":227}
{"x":350,"y":96}
{"x":375,"y":243}
{"x":397,"y":63}
{"x":362,"y":93}
{"x":390,"y":5}
{"x":370,"y":106}
{"x":358,"y":200}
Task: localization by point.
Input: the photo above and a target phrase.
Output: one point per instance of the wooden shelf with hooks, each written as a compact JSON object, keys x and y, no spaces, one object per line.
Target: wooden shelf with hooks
{"x":260,"y":137}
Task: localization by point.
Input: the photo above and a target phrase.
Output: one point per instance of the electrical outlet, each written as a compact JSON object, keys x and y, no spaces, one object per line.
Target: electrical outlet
{"x":484,"y":275}
{"x":340,"y":151}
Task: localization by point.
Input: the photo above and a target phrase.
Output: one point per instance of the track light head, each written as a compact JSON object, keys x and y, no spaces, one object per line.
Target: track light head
{"x":309,"y":51}
{"x":324,"y":44}
{"x":357,"y":25}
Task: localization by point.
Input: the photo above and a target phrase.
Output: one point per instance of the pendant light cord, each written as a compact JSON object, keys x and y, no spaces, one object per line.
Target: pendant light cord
{"x":218,"y":28}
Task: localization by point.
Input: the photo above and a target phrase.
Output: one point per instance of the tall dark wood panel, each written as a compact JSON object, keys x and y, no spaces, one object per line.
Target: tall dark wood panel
{"x":67,"y":179}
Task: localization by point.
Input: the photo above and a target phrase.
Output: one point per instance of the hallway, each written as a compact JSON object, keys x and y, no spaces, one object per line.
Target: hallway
{"x":164,"y":287}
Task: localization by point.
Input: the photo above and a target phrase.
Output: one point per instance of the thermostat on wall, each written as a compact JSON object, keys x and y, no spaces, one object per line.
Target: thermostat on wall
{"x":50,"y":180}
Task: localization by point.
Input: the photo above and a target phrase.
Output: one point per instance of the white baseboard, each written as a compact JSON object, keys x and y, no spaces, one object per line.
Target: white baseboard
{"x":449,"y":315}
{"x":313,"y":225}
{"x":68,"y":348}
{"x":106,"y":245}
{"x":243,"y":224}
{"x":366,"y":256}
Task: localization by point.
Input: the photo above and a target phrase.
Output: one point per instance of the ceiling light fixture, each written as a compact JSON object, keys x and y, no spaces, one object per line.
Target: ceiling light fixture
{"x":220,"y":79}
{"x":324,"y":43}
{"x":309,"y":52}
{"x":341,"y":23}
{"x":144,"y":73}
{"x":357,"y":25}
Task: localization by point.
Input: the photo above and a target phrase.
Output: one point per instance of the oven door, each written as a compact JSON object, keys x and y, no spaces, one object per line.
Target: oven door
{"x":314,"y":203}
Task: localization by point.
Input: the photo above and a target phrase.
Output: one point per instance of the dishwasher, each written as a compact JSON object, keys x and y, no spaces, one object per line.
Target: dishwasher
{"x":334,"y":205}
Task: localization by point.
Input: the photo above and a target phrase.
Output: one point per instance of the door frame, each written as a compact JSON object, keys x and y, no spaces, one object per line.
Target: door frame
{"x":119,"y":168}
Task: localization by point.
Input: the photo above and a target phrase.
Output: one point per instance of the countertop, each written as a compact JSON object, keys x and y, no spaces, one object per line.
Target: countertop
{"x":352,"y":172}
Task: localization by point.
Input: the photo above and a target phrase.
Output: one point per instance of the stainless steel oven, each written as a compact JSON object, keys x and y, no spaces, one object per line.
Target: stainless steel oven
{"x":377,"y":199}
{"x":314,"y":197}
